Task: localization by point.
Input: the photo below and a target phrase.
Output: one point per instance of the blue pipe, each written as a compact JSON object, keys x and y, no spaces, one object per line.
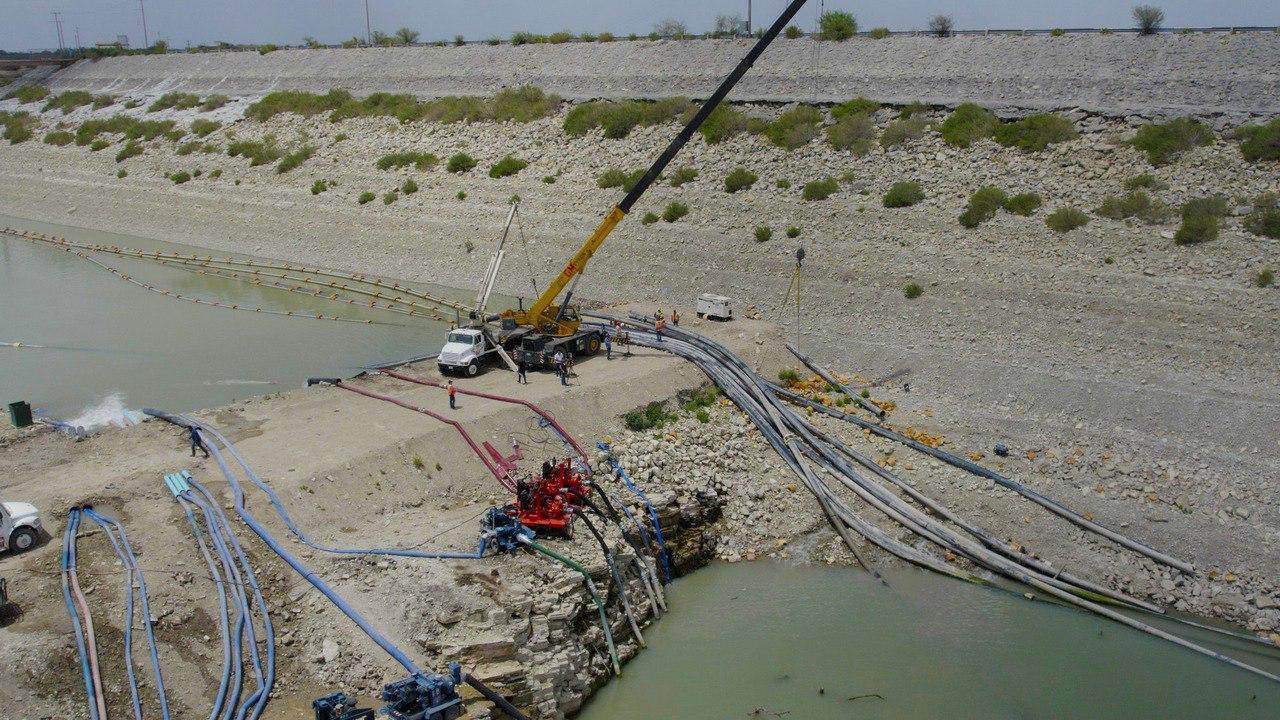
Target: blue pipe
{"x":224,"y":619}
{"x":128,"y":612}
{"x":68,"y":569}
{"x":653,"y":514}
{"x":236,"y":582}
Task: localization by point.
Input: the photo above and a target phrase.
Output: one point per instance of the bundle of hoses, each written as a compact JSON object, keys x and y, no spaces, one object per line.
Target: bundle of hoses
{"x":135,"y":588}
{"x":810,"y":452}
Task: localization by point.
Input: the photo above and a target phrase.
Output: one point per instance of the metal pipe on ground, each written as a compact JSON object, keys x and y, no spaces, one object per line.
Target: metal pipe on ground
{"x":830,"y":378}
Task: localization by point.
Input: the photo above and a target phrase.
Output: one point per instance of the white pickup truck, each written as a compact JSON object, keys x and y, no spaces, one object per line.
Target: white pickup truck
{"x":19,"y":526}
{"x":465,"y":351}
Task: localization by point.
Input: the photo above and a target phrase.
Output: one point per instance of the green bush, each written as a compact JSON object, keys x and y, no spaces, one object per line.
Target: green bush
{"x":911,"y":109}
{"x":187,"y":148}
{"x":820,"y":189}
{"x":674,"y":211}
{"x":1065,"y":219}
{"x":268,"y":48}
{"x":202,"y":127}
{"x":606,"y":37}
{"x":879,"y":33}
{"x":259,"y":152}
{"x":619,"y":118}
{"x":522,"y":104}
{"x":654,"y":415}
{"x":793,"y":232}
{"x":1264,"y":221}
{"x":217,"y":173}
{"x":29,"y":94}
{"x":857,"y":106}
{"x":213,"y":102}
{"x":1024,"y":204}
{"x":122,"y":173}
{"x":462,"y":195}
{"x":461,"y":163}
{"x":837,"y":25}
{"x":912,"y":290}
{"x":764,"y":233}
{"x":1145,"y":181}
{"x":650,"y":218}
{"x":1164,"y":142}
{"x":561,"y":37}
{"x":853,"y":132}
{"x":783,"y":184}
{"x":365,"y":197}
{"x":792,"y":32}
{"x":1214,"y":206}
{"x":132,"y":148}
{"x":59,"y":138}
{"x":389,"y":197}
{"x":903,"y":130}
{"x":507,"y":166}
{"x":1196,"y":229}
{"x":1265,"y":278}
{"x":983,"y":205}
{"x":904,"y":193}
{"x":101,"y":101}
{"x":397,"y":160}
{"x":788,"y":376}
{"x":968,"y":124}
{"x":68,"y":101}
{"x":703,"y":416}
{"x":723,"y":123}
{"x":295,"y":158}
{"x":19,"y":127}
{"x":175,"y":100}
{"x":318,"y":187}
{"x":683,"y":175}
{"x":524,"y":37}
{"x":549,"y":179}
{"x":180,"y":177}
{"x":1260,"y":142}
{"x":1035,"y":132}
{"x":1135,"y":204}
{"x":739,"y":179}
{"x":795,"y":127}
{"x":99,"y":144}
{"x":613,"y":177}
{"x":410,"y":187}
{"x":131,"y":128}
{"x":1057,"y":32}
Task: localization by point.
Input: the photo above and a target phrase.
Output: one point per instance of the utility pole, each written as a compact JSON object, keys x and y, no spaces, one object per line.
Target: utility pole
{"x":368,"y":33}
{"x":748,"y":18}
{"x":57,"y":22}
{"x":78,"y":37}
{"x":145,"y":41}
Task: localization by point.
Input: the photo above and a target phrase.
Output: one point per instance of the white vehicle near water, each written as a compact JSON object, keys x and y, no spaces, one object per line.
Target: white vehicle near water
{"x":464,"y":352}
{"x":19,"y":526}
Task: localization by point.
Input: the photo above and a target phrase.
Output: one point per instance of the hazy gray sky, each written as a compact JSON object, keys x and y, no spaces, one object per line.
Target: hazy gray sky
{"x":29,"y":24}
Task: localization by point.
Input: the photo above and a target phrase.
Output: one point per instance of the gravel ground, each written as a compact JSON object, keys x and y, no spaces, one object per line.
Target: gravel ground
{"x":1211,"y":74}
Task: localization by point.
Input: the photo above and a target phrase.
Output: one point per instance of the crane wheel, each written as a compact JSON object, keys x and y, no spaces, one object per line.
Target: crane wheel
{"x":593,"y":345}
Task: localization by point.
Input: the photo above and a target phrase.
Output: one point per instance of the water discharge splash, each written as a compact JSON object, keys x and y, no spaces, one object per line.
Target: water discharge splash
{"x":110,"y":410}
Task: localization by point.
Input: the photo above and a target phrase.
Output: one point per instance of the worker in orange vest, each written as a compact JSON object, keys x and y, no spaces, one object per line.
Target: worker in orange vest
{"x":658,"y":326}
{"x":453,"y":395}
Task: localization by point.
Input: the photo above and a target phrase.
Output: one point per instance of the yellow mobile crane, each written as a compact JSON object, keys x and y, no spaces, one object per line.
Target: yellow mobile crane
{"x":534,"y":335}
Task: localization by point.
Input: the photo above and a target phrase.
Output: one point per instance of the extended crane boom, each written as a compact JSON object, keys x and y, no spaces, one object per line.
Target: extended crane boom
{"x":544,"y":315}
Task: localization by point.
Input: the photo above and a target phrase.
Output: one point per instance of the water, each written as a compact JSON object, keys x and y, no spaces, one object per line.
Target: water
{"x":768,"y":636}
{"x":106,"y":338}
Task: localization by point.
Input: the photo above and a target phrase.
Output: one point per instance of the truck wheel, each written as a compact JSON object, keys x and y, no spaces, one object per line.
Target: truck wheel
{"x":473,"y":368}
{"x":593,"y":345}
{"x":22,"y":539}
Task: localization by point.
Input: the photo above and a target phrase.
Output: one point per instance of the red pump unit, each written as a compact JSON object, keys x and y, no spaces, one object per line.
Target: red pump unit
{"x":548,"y":502}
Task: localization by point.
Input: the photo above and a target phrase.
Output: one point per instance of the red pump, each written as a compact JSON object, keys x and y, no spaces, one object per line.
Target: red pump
{"x":548,"y":503}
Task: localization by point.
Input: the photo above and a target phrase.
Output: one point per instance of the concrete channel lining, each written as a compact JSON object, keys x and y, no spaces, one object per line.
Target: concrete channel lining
{"x":1207,"y":74}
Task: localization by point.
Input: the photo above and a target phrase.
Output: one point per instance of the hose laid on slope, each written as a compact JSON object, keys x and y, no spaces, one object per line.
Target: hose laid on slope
{"x":224,"y":616}
{"x":81,"y":621}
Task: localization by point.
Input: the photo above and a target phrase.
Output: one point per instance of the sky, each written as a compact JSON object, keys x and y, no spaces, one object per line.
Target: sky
{"x":28,"y":24}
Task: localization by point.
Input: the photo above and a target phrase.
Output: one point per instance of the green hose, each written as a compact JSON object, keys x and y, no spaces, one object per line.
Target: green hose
{"x":591,"y":588}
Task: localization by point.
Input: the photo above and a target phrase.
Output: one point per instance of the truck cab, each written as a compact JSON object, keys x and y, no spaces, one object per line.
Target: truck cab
{"x":464,"y":351}
{"x":19,"y":526}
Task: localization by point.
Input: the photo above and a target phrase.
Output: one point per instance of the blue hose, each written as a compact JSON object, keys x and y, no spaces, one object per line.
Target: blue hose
{"x":233,"y":578}
{"x":224,"y":619}
{"x":68,"y":569}
{"x":653,"y":514}
{"x":128,"y":612}
{"x":130,"y":560}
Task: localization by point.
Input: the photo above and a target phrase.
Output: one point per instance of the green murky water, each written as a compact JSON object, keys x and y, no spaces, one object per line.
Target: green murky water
{"x":769,"y":640}
{"x":107,"y":338}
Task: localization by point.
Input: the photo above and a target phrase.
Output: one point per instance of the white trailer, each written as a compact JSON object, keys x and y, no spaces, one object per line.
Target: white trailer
{"x":716,"y":307}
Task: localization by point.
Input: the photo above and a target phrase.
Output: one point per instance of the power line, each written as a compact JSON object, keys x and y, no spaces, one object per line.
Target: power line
{"x":145,"y":40}
{"x":57,"y":21}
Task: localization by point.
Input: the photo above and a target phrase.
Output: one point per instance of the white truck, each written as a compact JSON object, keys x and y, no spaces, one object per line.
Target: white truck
{"x":715,"y":307}
{"x":19,"y":526}
{"x":465,"y":351}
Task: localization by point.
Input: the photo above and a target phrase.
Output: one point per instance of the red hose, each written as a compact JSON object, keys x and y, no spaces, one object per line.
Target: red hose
{"x":500,"y":398}
{"x":90,"y":642}
{"x":502,"y":477}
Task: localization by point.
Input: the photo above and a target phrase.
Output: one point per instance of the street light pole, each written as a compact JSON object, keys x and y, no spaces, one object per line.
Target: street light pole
{"x":368,"y":33}
{"x":748,"y":17}
{"x":146,"y":42}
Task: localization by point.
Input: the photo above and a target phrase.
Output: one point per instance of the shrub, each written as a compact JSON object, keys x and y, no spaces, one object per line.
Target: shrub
{"x":793,"y":232}
{"x":1264,"y":221}
{"x":795,"y":127}
{"x":1024,"y":204}
{"x":619,"y":118}
{"x":122,"y":173}
{"x":493,"y":41}
{"x":318,"y":187}
{"x":722,"y":124}
{"x":674,"y":211}
{"x":764,"y":233}
{"x":611,"y":178}
{"x":683,"y":175}
{"x":59,"y":138}
{"x":213,"y":102}
{"x":837,"y":25}
{"x":29,"y":94}
{"x":606,"y":37}
{"x":903,"y":130}
{"x":703,"y":416}
{"x":1260,"y":142}
{"x":202,"y":127}
{"x":180,"y":177}
{"x":397,"y":160}
{"x":549,"y":179}
{"x":857,"y":106}
{"x":1149,"y":19}
{"x":187,"y":148}
{"x":295,"y":158}
{"x":19,"y":127}
{"x":1214,"y":206}
{"x":1135,"y":204}
{"x":267,"y":48}
{"x":912,"y":290}
{"x":983,"y":205}
{"x":131,"y":148}
{"x":650,"y":218}
{"x":792,"y":32}
{"x":217,"y":173}
{"x":389,"y":197}
{"x":410,"y":187}
{"x":507,"y":166}
{"x":101,"y":101}
{"x":175,"y":100}
{"x":968,"y":124}
{"x":671,"y":29}
{"x":1163,"y":142}
{"x":461,"y":163}
{"x":259,"y":152}
{"x":912,"y":108}
{"x":820,"y":189}
{"x":1057,"y":32}
{"x":1035,"y":132}
{"x":131,"y":104}
{"x":523,"y":37}
{"x":941,"y":25}
{"x":1065,"y":219}
{"x":654,"y":415}
{"x":904,"y":193}
{"x":131,"y":128}
{"x":853,"y":133}
{"x":879,"y":33}
{"x":1145,"y":181}
{"x":788,"y":376}
{"x":559,"y":38}
{"x":783,"y":184}
{"x":462,"y":195}
{"x":1265,"y":278}
{"x":1196,"y":229}
{"x":98,"y":144}
{"x":68,"y":101}
{"x":739,"y":179}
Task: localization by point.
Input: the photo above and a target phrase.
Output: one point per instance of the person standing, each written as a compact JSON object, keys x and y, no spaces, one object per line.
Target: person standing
{"x":658,"y":325}
{"x":453,"y":395}
{"x":196,"y":442}
{"x":608,"y":347}
{"x":558,"y":359}
{"x":675,"y":317}
{"x":522,"y":371}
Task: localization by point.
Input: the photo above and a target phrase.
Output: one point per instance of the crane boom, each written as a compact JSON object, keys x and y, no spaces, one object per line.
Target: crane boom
{"x":544,"y":313}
